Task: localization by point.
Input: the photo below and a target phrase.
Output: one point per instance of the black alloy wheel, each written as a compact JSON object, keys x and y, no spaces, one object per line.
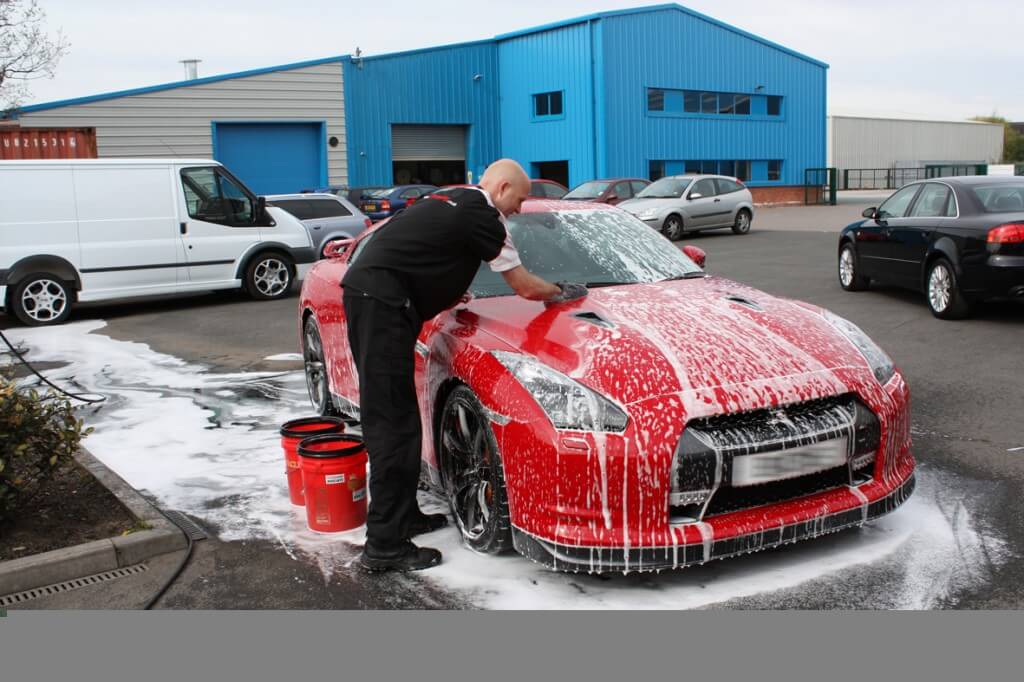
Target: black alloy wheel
{"x":472,"y":474}
{"x":317,"y":382}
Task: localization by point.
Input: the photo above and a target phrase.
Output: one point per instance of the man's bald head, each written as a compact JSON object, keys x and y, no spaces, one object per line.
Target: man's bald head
{"x":508,"y":184}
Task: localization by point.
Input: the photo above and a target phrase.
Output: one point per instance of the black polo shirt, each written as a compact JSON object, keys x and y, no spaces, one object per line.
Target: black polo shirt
{"x":428,"y":254}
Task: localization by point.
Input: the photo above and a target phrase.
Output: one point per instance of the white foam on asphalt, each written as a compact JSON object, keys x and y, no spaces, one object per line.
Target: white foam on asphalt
{"x":284,"y":357}
{"x":207,"y":444}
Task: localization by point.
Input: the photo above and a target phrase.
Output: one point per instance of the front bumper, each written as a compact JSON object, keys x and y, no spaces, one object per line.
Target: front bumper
{"x":578,"y":559}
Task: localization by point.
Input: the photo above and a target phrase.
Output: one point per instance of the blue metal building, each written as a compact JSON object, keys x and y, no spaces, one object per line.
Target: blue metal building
{"x":641,"y":92}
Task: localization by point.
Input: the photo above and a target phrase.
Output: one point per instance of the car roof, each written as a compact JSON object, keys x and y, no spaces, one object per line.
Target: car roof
{"x":968,"y":180}
{"x":303,"y":195}
{"x":560,"y":206}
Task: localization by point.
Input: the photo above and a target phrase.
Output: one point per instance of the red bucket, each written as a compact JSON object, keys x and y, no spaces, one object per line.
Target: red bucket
{"x":334,"y":481}
{"x":291,"y":434}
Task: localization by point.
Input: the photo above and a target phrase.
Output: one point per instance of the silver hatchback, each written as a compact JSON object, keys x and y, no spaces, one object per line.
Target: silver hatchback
{"x":690,"y":203}
{"x":326,"y":216}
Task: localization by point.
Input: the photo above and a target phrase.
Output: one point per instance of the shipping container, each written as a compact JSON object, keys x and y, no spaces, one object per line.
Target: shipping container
{"x":47,"y":143}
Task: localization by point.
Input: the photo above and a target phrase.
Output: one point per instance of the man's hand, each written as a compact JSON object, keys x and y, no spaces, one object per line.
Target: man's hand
{"x":570,"y":291}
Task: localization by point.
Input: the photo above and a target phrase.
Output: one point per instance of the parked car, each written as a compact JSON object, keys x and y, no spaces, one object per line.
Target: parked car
{"x":611,"y":191}
{"x":959,"y":240}
{"x":546,"y":189}
{"x":100,"y":229}
{"x":667,"y":419}
{"x":353,"y":194}
{"x":325,"y":216}
{"x":679,"y":204}
{"x":383,"y":203}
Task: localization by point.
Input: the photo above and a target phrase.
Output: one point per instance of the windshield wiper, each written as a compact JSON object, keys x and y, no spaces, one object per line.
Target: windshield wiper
{"x":594,"y":285}
{"x":687,"y":275}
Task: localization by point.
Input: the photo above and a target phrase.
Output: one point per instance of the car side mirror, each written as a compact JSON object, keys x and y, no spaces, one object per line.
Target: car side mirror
{"x":336,"y":248}
{"x":696,"y":254}
{"x":870,"y":212}
{"x":695,"y":195}
{"x":611,"y":196}
{"x":260,"y":215}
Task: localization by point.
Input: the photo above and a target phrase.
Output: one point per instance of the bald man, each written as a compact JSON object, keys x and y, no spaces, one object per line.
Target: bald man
{"x":418,"y":264}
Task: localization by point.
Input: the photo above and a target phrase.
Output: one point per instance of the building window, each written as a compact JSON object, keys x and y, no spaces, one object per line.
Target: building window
{"x":547,"y":104}
{"x":655,"y":100}
{"x":774,"y":105}
{"x":709,"y":103}
{"x":726,"y":103}
{"x":775,"y":169}
{"x":742,"y":105}
{"x":691,"y":102}
{"x":656,"y":170}
{"x":742,"y":171}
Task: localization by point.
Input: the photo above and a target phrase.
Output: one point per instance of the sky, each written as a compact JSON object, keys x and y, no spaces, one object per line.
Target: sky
{"x":903,"y":58}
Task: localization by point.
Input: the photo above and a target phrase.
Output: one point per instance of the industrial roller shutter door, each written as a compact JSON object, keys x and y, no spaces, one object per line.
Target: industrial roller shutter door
{"x":428,"y":143}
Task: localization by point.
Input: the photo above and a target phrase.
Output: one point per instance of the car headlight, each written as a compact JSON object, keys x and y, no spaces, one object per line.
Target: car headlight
{"x":647,"y":214}
{"x":881,"y":364}
{"x":568,"y":403}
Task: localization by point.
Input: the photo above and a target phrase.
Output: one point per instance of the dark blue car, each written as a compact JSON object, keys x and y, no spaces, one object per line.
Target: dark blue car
{"x":379,"y":204}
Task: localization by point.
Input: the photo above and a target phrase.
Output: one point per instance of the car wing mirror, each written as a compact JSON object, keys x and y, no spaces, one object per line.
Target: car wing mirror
{"x":336,"y":248}
{"x":870,"y":213}
{"x":696,"y":254}
{"x":695,"y":195}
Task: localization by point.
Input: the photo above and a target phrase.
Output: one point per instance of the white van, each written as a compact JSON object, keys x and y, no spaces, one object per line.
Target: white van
{"x":100,"y":229}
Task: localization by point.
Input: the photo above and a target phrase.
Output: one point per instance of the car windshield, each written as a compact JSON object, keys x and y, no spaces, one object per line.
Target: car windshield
{"x":666,"y":188}
{"x":1000,"y":198}
{"x":588,"y":190}
{"x":378,"y":193}
{"x":598,"y":248}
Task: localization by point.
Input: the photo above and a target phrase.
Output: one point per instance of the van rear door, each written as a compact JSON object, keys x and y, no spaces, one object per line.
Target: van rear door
{"x":127,"y":230}
{"x":216,"y":225}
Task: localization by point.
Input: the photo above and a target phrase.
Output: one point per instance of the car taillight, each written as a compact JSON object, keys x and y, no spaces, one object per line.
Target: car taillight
{"x":385,"y":205}
{"x":369,"y":223}
{"x":1010,"y":233}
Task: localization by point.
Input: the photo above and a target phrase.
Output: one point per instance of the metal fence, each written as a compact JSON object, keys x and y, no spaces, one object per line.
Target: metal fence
{"x":820,"y":186}
{"x":894,"y":178}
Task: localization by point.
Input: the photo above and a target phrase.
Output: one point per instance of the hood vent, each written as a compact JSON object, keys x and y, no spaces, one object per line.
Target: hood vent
{"x":595,"y":319}
{"x":744,"y":302}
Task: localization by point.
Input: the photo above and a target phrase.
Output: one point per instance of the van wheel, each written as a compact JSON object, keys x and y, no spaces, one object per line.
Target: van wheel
{"x":41,"y":299}
{"x":269,"y":276}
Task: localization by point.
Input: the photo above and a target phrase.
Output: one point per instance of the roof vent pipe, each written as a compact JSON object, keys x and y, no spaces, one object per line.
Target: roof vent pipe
{"x":191,"y":68}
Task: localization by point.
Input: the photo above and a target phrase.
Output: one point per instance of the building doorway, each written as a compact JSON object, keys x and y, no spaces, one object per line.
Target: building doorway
{"x":551,"y":170}
{"x":429,"y":172}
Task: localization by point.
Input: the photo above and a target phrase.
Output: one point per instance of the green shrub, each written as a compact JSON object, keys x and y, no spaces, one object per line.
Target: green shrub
{"x":38,"y":432}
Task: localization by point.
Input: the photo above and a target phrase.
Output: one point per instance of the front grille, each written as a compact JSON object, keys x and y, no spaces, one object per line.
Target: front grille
{"x":710,"y":447}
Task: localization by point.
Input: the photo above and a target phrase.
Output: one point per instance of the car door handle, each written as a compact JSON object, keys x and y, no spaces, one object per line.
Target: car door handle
{"x":717,"y":200}
{"x":317,"y":227}
{"x":183,"y":227}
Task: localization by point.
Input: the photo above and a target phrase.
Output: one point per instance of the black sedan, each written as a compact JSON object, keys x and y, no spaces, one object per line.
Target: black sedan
{"x":959,"y":240}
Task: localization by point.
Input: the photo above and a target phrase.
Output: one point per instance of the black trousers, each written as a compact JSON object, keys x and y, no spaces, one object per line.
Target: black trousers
{"x":383,"y":342}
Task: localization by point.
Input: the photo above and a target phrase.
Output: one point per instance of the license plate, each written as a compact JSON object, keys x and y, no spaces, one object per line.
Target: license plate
{"x":370,"y":207}
{"x":783,"y":464}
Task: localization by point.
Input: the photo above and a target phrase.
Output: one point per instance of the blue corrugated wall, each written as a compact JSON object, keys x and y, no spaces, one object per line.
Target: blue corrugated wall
{"x":556,"y":60}
{"x":675,"y":50}
{"x":433,"y":86}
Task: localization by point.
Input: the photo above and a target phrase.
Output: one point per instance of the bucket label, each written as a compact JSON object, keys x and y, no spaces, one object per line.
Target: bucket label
{"x":358,"y":494}
{"x":334,"y":479}
{"x":293,"y":465}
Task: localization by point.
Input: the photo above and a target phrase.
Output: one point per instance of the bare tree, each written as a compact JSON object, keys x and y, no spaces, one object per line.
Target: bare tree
{"x":26,"y":51}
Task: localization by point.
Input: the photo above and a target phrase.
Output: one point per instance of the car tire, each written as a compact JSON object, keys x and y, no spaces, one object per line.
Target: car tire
{"x":850,"y":278}
{"x":942,"y":290}
{"x":269,"y":276}
{"x":672,"y":228}
{"x":472,"y":474}
{"x":742,"y":223}
{"x":40,"y":299}
{"x":318,"y":381}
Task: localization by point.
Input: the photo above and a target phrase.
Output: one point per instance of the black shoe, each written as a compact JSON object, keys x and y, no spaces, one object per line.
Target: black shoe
{"x":427,"y":523}
{"x":405,"y":557}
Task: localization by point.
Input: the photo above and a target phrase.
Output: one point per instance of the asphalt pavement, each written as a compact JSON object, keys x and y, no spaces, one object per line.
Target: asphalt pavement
{"x":968,"y":436}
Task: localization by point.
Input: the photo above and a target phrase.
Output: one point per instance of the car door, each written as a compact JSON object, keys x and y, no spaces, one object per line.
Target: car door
{"x":910,"y":239}
{"x":703,"y":206}
{"x":218,"y":224}
{"x":620,"y":192}
{"x":876,"y":253}
{"x":730,"y":195}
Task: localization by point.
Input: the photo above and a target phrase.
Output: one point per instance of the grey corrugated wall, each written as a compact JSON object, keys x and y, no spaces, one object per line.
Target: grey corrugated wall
{"x":176,"y":122}
{"x":885,"y":143}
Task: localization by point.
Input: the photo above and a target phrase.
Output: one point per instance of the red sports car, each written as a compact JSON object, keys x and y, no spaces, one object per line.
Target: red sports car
{"x":669,"y":418}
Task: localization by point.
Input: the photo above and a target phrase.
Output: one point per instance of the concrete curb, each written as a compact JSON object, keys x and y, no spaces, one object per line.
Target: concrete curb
{"x":69,"y":563}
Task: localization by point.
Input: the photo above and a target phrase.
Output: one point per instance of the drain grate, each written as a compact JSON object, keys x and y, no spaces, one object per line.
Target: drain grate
{"x":68,"y":585}
{"x":186,"y":524}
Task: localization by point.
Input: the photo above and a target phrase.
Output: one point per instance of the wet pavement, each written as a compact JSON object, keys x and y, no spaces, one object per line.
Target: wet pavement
{"x":199,"y":385}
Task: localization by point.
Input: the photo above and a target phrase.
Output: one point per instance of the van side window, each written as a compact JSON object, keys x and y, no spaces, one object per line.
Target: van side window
{"x":214,"y":198}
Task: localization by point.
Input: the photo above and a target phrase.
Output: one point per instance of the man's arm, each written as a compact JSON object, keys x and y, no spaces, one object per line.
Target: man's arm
{"x":529,"y":285}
